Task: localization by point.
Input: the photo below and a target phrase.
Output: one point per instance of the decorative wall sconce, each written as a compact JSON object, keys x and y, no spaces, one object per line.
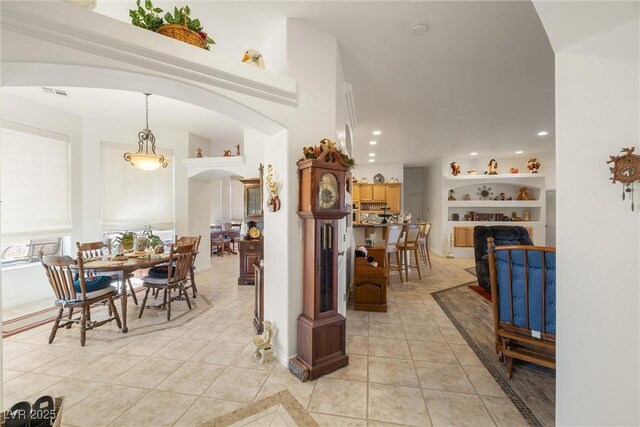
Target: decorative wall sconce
{"x":273,"y":188}
{"x":626,"y":169}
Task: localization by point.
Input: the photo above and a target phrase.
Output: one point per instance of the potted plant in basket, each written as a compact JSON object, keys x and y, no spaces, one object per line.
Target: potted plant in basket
{"x":178,"y":25}
{"x":126,"y":240}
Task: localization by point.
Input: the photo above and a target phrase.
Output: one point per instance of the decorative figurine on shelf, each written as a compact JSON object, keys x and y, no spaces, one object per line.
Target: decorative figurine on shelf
{"x":253,"y":57}
{"x":526,"y":215}
{"x":227,"y":153}
{"x":524,"y":194}
{"x":467,"y":196}
{"x":455,"y":217}
{"x":472,"y":171}
{"x":262,"y":343}
{"x":533,"y":165}
{"x":393,"y":180}
{"x":237,"y":149}
{"x":455,"y":169}
{"x":514,"y":170}
{"x":492,"y":167}
{"x":199,"y":153}
{"x":515,"y":217}
{"x":503,"y":196}
{"x":452,"y":196}
{"x":364,"y":181}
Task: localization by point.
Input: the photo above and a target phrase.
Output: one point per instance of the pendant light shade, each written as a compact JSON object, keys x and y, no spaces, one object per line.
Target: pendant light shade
{"x":143,"y":159}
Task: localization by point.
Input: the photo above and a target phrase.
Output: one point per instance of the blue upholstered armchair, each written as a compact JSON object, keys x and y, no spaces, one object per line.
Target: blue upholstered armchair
{"x":523,"y":291}
{"x":502,"y":235}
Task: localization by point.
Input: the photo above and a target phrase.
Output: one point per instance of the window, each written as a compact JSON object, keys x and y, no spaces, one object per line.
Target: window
{"x":132,"y":198}
{"x":35,"y":187}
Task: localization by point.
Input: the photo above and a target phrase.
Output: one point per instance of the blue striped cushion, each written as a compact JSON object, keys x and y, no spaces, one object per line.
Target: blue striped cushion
{"x":534,"y":297}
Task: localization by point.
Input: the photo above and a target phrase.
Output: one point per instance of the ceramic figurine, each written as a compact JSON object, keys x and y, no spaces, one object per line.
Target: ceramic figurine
{"x":364,"y":181}
{"x":254,"y":58}
{"x":472,"y":171}
{"x":526,"y":216}
{"x":262,"y":343}
{"x":199,"y":153}
{"x":524,"y":194}
{"x":452,"y":195}
{"x":493,"y":167}
{"x":514,"y":170}
{"x":515,"y":217}
{"x":503,"y":196}
{"x":227,"y":153}
{"x":237,"y":149}
{"x":467,"y":196}
{"x":533,"y":165}
{"x":455,"y":169}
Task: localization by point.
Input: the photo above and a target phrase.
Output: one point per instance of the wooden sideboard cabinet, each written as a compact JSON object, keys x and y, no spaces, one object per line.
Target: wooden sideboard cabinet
{"x":250,"y":252}
{"x":258,"y":311}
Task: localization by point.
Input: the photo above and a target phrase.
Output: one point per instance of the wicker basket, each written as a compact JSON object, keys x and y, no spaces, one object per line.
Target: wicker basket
{"x":182,"y":33}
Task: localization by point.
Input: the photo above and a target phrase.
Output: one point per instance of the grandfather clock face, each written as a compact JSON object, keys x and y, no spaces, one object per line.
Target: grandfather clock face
{"x":328,"y":195}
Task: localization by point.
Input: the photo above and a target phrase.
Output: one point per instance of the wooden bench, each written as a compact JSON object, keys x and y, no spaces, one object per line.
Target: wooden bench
{"x":370,"y":287}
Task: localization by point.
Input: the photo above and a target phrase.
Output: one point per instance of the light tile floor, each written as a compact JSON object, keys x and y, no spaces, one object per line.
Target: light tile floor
{"x":409,"y":366}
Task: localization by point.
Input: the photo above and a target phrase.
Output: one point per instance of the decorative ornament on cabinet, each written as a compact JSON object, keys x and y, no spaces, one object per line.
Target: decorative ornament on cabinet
{"x":452,"y":196}
{"x":253,"y":57}
{"x":524,"y":194}
{"x":199,"y":153}
{"x":492,"y":167}
{"x":472,"y":171}
{"x":455,"y":168}
{"x":514,"y":171}
{"x":467,"y":196}
{"x":533,"y":165}
{"x":626,"y":169}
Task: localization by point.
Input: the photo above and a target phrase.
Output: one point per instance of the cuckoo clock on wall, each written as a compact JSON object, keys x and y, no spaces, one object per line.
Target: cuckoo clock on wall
{"x":626,"y":170}
{"x":323,"y":177}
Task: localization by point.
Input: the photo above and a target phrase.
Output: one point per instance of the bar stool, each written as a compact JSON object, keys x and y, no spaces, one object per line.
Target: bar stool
{"x":423,"y":242}
{"x":391,"y":246}
{"x":410,"y":244}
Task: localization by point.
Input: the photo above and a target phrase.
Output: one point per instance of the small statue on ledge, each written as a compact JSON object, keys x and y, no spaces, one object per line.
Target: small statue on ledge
{"x":237,"y":149}
{"x":455,"y":169}
{"x":262,"y":343}
{"x":199,"y":153}
{"x":227,"y":153}
{"x":492,"y":167}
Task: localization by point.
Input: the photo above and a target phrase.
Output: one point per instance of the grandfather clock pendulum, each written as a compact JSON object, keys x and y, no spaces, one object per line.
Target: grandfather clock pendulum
{"x":323,"y":176}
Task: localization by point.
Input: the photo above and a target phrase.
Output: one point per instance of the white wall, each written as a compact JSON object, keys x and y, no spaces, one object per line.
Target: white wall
{"x":433,"y":207}
{"x":598,"y":294}
{"x":598,"y":298}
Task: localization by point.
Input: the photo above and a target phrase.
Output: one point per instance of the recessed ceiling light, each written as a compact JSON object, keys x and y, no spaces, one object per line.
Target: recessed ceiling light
{"x":473,"y":154}
{"x":372,"y":154}
{"x":543,"y":133}
{"x":418,"y":29}
{"x":377,"y":132}
{"x":372,"y":160}
{"x":519,"y":152}
{"x":373,"y":142}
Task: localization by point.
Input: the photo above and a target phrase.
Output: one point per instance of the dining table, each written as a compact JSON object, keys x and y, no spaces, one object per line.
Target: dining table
{"x":124,"y":268}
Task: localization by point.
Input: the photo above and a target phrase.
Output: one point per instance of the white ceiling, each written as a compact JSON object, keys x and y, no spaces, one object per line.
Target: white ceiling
{"x":481,"y":79}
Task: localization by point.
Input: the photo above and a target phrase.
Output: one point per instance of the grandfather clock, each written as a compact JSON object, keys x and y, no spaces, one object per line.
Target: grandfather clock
{"x":323,"y":178}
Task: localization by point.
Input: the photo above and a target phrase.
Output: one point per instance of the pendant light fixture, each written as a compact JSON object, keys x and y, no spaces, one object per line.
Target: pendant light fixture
{"x":142,"y":159}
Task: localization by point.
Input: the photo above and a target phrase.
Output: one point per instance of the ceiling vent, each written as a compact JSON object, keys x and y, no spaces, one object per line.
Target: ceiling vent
{"x":54,"y":91}
{"x":418,"y":29}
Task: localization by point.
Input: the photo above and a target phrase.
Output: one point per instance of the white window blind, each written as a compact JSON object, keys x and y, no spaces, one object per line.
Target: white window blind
{"x":34,"y":176}
{"x":133,"y":198}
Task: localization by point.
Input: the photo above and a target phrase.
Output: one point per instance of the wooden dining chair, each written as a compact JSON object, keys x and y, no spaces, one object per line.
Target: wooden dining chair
{"x":80,"y":294}
{"x":179,"y":264}
{"x":97,"y":249}
{"x":392,"y":247}
{"x":423,"y":242}
{"x":408,"y":246}
{"x":195,"y":241}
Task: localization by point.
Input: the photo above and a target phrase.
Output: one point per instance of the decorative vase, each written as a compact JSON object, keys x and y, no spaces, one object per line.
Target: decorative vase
{"x":140,"y":243}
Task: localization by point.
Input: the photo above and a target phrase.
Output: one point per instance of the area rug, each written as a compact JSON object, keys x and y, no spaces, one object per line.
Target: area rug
{"x":479,"y":289}
{"x":280,"y":409}
{"x":532,"y":387}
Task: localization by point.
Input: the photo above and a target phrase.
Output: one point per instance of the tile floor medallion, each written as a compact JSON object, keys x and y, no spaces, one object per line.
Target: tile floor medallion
{"x":409,"y":366}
